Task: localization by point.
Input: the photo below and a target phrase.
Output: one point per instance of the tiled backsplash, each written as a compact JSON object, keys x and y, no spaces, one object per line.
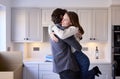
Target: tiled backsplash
{"x":45,"y":49}
{"x":39,"y":50}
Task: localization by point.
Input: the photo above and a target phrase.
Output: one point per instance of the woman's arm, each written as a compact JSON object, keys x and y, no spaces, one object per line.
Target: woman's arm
{"x":50,"y":28}
{"x":63,"y":34}
{"x":51,"y":33}
{"x":71,"y":41}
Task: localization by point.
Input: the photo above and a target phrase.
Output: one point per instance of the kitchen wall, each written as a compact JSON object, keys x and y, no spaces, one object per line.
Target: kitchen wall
{"x":44,"y":49}
{"x":2,"y":28}
{"x":6,"y":35}
{"x":29,"y":52}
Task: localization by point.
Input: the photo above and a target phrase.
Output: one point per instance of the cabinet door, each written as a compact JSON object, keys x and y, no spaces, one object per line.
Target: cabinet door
{"x":85,"y":20}
{"x":19,"y":24}
{"x":26,"y":24}
{"x":105,"y":70}
{"x":46,"y":17}
{"x":100,"y":24}
{"x":48,"y":75}
{"x":94,"y":23}
{"x":115,"y":15}
{"x":72,"y":9}
{"x":34,"y":24}
{"x":46,"y":72}
{"x":31,"y":71}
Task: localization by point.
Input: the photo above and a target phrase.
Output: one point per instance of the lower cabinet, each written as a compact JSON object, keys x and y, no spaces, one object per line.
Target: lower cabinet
{"x":48,"y":75}
{"x":106,"y":70}
{"x":44,"y":71}
{"x":39,"y":71}
{"x":30,"y":71}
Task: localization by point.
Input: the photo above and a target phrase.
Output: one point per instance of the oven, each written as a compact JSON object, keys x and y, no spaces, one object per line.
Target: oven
{"x":116,"y":48}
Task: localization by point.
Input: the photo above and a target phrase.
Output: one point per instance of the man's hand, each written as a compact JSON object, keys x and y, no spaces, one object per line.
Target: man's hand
{"x":53,"y":37}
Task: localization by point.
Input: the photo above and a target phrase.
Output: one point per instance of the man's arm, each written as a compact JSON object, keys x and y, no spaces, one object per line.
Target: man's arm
{"x":73,"y":42}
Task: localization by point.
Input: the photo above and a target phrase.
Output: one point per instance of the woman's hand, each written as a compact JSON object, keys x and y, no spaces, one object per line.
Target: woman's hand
{"x":79,"y":35}
{"x":53,"y":37}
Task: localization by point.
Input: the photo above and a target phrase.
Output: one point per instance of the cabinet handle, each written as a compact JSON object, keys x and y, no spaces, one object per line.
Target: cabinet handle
{"x":94,"y":39}
{"x":27,"y":39}
{"x":90,"y":38}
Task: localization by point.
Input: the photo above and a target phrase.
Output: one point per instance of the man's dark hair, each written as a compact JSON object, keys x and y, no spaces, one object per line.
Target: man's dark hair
{"x":57,"y":15}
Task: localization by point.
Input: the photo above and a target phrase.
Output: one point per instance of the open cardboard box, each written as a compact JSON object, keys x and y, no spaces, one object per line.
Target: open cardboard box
{"x":11,"y":65}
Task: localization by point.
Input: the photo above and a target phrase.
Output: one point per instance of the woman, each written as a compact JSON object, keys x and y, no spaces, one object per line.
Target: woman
{"x":69,"y":22}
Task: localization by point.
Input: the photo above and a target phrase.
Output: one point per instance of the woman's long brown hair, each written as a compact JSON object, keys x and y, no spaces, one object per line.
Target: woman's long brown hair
{"x":75,"y":20}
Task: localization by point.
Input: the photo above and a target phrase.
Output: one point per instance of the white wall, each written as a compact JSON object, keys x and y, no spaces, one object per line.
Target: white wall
{"x":7,"y":39}
{"x":8,"y":27}
{"x":2,"y":28}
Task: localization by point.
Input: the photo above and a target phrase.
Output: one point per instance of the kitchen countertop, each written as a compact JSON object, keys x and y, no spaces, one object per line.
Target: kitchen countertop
{"x":40,"y":61}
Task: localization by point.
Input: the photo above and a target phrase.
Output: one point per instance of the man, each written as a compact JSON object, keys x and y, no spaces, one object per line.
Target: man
{"x":64,"y":62}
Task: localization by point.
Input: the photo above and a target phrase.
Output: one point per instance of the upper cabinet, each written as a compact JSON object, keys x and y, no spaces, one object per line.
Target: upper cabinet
{"x":115,"y":15}
{"x":26,"y":24}
{"x":94,"y":23}
{"x":46,"y":17}
{"x":31,"y":24}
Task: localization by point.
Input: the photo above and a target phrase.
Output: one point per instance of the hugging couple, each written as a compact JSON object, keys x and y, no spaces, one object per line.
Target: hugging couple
{"x":68,"y":59}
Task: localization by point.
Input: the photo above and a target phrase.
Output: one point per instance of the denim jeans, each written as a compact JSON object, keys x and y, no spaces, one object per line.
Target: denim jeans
{"x":84,"y":63}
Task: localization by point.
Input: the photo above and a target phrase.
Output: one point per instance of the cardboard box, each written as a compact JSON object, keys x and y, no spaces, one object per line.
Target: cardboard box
{"x":11,"y":65}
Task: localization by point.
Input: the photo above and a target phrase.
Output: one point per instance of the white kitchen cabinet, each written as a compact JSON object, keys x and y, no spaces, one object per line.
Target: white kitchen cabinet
{"x":30,"y":71}
{"x":100,"y":24}
{"x":115,"y":10}
{"x":38,"y":70}
{"x":46,"y":17}
{"x":106,"y":70}
{"x":26,"y":24}
{"x":48,"y":75}
{"x":72,"y":9}
{"x":94,"y":23}
{"x":46,"y":72}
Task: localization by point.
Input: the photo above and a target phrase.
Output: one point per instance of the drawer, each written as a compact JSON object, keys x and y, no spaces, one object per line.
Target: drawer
{"x":46,"y":67}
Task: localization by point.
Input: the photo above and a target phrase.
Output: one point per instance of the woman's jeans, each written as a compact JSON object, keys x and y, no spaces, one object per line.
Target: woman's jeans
{"x":84,"y":64}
